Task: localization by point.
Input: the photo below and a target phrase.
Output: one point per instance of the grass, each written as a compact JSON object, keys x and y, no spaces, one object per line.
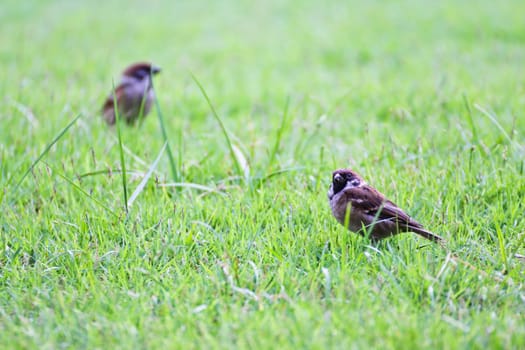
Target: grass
{"x":229,"y":241}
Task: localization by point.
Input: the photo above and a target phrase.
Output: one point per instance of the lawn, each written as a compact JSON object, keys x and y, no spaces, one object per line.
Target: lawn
{"x":108,"y":242}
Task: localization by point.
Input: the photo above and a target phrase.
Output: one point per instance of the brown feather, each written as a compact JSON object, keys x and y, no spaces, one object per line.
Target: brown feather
{"x":137,"y":66}
{"x":108,"y":109}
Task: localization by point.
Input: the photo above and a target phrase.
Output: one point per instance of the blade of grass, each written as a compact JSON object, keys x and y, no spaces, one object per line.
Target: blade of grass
{"x":46,"y":150}
{"x":121,"y":151}
{"x":180,"y":152}
{"x":134,"y":156}
{"x":175,"y":172}
{"x":267,"y":177}
{"x":221,"y":125}
{"x":108,"y":172}
{"x":81,"y":190}
{"x":2,"y":161}
{"x":495,"y":122}
{"x":26,"y":112}
{"x":243,"y":162}
{"x":501,"y":245}
{"x":3,"y":171}
{"x":143,"y":104}
{"x":306,"y":139}
{"x":279,"y":135}
{"x":192,"y":185}
{"x":145,"y":179}
{"x":470,"y":119}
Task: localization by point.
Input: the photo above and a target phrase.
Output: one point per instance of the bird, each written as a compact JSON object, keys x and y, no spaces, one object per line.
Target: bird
{"x":365,"y":210}
{"x":134,"y":94}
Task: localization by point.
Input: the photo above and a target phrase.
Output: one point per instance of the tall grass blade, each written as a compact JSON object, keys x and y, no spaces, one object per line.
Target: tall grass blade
{"x":192,"y":185}
{"x":46,"y":150}
{"x":242,"y":161}
{"x":495,"y":122}
{"x":81,"y":190}
{"x":501,"y":244}
{"x":238,"y":166}
{"x":470,"y":118}
{"x":121,"y":150}
{"x":145,"y":179}
{"x":273,"y":174}
{"x":108,"y":172}
{"x":277,"y":144}
{"x":175,"y":172}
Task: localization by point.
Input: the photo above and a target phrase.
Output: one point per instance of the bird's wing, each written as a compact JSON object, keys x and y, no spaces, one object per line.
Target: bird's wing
{"x":109,"y":104}
{"x":371,"y":201}
{"x":375,"y":204}
{"x":119,"y":90}
{"x":364,"y":198}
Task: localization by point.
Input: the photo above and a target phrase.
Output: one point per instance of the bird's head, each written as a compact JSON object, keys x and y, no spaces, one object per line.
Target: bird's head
{"x":344,"y":178}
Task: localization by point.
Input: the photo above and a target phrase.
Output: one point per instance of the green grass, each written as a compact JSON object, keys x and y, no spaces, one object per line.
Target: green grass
{"x":424,"y":99}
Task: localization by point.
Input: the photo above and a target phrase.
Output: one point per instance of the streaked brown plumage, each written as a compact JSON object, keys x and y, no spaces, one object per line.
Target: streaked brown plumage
{"x":368,"y":210}
{"x":134,"y":94}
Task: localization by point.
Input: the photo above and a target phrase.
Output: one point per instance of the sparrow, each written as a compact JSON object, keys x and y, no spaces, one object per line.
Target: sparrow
{"x":363,"y":209}
{"x":134,"y":94}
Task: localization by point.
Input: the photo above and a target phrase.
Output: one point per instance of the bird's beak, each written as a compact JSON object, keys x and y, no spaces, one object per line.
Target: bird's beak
{"x":155,"y":69}
{"x":337,"y":177}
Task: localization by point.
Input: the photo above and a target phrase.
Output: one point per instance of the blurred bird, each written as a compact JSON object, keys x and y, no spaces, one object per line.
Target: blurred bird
{"x":134,"y":94}
{"x":363,"y":209}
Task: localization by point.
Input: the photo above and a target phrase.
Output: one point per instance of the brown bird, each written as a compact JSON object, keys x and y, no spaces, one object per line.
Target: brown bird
{"x":363,"y":209}
{"x":134,"y":94}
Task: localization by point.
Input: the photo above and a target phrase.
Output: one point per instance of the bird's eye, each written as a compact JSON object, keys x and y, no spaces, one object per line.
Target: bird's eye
{"x":339,"y":179}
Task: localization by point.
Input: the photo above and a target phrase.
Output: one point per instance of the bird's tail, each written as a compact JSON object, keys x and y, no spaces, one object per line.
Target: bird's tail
{"x":427,"y":234}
